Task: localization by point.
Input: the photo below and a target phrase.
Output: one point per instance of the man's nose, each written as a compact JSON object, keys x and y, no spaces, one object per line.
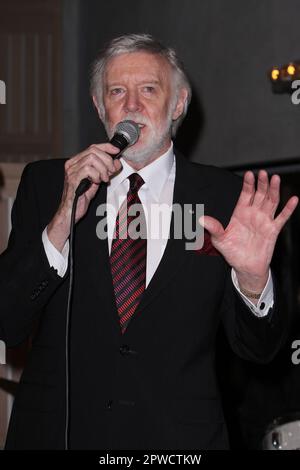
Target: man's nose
{"x":132,"y":102}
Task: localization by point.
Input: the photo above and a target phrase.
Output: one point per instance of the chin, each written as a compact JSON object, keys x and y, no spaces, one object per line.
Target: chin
{"x":137,"y":155}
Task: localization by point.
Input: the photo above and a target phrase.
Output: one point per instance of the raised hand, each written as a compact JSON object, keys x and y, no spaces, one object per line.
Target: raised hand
{"x":249,"y":240}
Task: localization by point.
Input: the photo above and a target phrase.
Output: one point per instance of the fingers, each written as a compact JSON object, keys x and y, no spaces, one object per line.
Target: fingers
{"x":286,"y":212}
{"x":212,"y":225}
{"x":93,"y":163}
{"x":262,"y":190}
{"x":266,"y":196}
{"x":97,"y":170}
{"x":248,"y":190}
{"x":96,"y":149}
{"x":272,"y":199}
{"x":251,"y":196}
{"x":74,"y":177}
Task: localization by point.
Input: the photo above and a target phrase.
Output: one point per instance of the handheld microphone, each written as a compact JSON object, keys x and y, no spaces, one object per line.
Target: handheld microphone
{"x":126,"y":134}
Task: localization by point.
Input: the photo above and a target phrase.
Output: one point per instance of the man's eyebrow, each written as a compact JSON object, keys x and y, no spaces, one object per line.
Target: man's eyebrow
{"x":154,"y":81}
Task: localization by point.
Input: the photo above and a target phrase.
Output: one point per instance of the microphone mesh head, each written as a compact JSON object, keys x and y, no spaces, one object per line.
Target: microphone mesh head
{"x":129,"y":129}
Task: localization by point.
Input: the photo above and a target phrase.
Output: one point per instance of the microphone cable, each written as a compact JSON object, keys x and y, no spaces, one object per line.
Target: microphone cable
{"x":127,"y":133}
{"x":68,"y":317}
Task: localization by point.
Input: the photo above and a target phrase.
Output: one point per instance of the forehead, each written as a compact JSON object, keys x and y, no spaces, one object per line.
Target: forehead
{"x":139,"y":66}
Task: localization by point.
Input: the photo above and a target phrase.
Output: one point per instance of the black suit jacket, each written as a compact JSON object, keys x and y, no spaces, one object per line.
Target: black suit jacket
{"x":153,"y":387}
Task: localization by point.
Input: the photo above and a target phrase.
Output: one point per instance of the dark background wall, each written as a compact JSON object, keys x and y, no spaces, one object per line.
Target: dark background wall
{"x":228,"y":48}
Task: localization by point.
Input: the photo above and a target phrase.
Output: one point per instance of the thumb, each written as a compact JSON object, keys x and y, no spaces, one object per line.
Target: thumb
{"x":213,"y":226}
{"x":91,"y":192}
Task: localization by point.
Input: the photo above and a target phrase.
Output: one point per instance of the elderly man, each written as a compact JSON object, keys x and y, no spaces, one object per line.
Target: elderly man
{"x":145,"y":311}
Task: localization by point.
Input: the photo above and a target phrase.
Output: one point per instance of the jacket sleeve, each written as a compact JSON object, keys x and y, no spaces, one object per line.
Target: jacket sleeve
{"x":26,"y":279}
{"x":254,"y":338}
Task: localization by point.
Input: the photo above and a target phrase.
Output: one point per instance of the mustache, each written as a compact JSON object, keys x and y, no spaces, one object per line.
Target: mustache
{"x":137,"y":117}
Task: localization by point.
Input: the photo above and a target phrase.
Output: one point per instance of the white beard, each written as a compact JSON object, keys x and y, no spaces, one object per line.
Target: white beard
{"x":154,"y":141}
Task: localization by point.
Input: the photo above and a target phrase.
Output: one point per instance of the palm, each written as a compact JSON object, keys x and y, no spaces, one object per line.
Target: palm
{"x":248,"y":241}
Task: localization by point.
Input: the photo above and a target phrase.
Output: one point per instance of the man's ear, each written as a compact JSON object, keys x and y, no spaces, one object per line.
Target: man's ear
{"x":182,"y":97}
{"x":97,"y":107}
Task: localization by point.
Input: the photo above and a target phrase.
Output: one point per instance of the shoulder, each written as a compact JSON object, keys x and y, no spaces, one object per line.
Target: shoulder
{"x":199,"y":175}
{"x":44,"y":174}
{"x":44,"y":168}
{"x":213,"y":175}
{"x":218,"y":189}
{"x":41,"y":186}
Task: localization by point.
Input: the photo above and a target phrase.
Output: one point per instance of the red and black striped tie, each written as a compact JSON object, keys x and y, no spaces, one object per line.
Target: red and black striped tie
{"x":128,"y":253}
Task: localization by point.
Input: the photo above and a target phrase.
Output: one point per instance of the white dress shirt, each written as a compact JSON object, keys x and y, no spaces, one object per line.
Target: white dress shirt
{"x":159,"y":178}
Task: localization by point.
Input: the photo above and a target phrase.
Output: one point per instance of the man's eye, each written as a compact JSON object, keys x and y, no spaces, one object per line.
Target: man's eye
{"x":116,"y":91}
{"x":149,"y":89}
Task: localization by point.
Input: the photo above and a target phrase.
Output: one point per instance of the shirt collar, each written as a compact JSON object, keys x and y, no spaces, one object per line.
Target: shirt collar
{"x":155,"y":174}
